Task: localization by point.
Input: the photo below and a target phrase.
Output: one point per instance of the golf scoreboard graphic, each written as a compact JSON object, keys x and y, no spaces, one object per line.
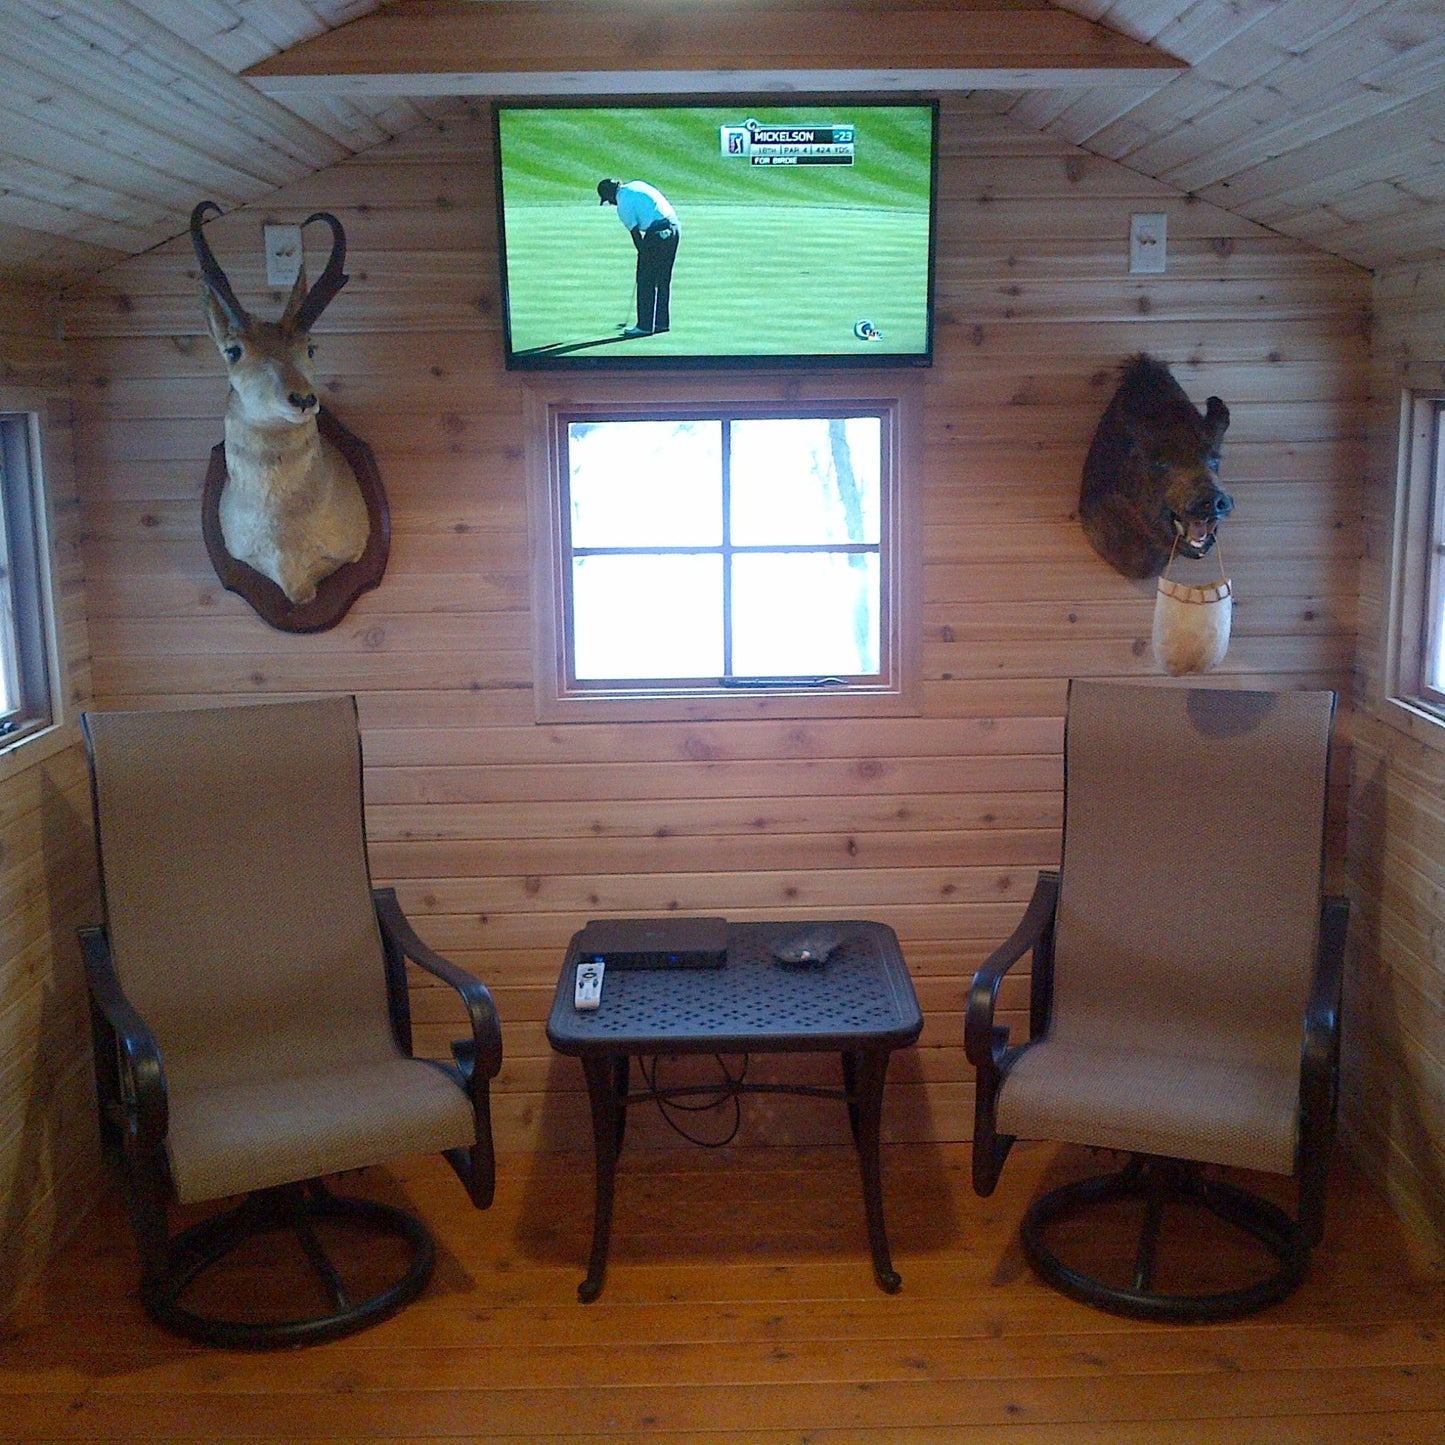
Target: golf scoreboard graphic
{"x":789,"y":145}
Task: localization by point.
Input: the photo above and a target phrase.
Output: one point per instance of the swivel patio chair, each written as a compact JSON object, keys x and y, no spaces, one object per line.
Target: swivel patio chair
{"x":1184,"y":996}
{"x":251,"y":1022}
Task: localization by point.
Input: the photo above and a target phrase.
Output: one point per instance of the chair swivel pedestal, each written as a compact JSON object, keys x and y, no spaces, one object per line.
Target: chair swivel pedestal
{"x":1167,"y":1190}
{"x":302,"y":1210}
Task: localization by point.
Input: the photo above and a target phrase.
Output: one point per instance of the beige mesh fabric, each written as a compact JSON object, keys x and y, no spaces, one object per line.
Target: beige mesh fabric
{"x":1187,"y":925}
{"x":239,"y":912}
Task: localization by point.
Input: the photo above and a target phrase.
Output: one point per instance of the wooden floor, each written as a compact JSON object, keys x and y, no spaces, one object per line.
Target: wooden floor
{"x":740,"y":1307}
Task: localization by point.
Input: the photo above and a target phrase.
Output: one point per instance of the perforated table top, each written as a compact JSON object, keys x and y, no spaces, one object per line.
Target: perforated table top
{"x":862,"y":997}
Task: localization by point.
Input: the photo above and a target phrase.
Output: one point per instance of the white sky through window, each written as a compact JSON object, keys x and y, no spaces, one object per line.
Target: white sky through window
{"x":708,"y":548}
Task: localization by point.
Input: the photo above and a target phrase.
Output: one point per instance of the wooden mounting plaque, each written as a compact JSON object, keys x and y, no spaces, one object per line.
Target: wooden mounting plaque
{"x":334,"y":594}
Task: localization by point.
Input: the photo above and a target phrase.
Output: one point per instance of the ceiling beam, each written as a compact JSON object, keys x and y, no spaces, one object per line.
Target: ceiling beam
{"x":457,"y":47}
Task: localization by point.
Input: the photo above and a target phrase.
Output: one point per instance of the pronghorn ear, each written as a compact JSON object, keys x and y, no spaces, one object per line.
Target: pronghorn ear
{"x":294,"y":300}
{"x":218,"y":322}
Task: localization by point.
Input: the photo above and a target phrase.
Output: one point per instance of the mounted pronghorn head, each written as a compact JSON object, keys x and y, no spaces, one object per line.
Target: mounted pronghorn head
{"x":272,"y":380}
{"x":291,"y":506}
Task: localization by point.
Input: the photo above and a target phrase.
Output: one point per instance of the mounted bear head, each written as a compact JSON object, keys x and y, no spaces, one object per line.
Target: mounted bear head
{"x":1151,"y":478}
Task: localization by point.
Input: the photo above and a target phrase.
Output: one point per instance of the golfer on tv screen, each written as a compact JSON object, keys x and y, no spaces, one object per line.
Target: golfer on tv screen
{"x":808,"y":230}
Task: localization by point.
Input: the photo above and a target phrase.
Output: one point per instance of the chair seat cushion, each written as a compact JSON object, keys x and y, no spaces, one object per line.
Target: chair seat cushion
{"x":1242,"y":1113}
{"x":253,"y":1135}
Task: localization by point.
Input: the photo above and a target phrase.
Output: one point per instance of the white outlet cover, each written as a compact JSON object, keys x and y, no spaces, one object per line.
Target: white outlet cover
{"x":1148,"y":244}
{"x":283,"y":254}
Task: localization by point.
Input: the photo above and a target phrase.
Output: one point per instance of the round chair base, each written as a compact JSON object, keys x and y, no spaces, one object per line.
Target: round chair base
{"x":1162,"y":1184}
{"x":298,"y":1209}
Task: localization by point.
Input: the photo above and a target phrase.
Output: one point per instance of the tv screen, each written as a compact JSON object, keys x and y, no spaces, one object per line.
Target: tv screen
{"x":718,"y":233}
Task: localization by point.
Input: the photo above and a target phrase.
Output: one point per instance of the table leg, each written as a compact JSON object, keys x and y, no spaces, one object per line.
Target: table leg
{"x":607,"y":1090}
{"x":869,"y":1070}
{"x":621,"y":1079}
{"x":850,"y":1090}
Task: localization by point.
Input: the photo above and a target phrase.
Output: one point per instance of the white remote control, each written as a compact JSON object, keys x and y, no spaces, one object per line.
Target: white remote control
{"x":588,"y":993}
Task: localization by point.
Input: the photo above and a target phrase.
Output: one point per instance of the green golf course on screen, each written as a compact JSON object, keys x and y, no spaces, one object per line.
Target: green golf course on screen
{"x":803,"y":232}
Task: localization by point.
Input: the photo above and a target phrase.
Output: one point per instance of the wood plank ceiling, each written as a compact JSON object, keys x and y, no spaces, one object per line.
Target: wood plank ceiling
{"x":1323,"y":119}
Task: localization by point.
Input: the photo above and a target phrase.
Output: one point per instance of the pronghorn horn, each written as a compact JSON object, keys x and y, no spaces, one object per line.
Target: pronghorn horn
{"x":331,"y":280}
{"x":211,"y":273}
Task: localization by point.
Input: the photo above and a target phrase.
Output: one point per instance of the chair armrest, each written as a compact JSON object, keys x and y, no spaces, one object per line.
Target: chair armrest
{"x":1320,"y":1067}
{"x":1320,"y":1060}
{"x":986,"y":1043}
{"x":483,"y":1051}
{"x":983,"y":1041}
{"x":129,"y":1072}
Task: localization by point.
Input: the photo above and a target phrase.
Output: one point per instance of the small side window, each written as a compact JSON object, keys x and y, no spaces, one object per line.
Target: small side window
{"x":26,"y":697}
{"x":1431,"y":439}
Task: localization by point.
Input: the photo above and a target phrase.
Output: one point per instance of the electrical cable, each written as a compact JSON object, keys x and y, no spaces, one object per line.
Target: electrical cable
{"x":726,"y":1091}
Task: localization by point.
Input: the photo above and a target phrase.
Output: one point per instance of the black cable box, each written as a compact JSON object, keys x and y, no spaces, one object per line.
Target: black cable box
{"x":656,"y":942}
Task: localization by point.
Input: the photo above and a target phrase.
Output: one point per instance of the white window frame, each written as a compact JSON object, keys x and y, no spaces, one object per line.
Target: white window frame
{"x":559,"y":698}
{"x":27,"y":606}
{"x":1417,"y":564}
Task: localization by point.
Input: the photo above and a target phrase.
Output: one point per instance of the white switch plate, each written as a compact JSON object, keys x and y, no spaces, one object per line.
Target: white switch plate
{"x":1148,"y":244}
{"x":283,"y":254}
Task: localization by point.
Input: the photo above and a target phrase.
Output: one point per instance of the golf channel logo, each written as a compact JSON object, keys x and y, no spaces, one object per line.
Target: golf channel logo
{"x":789,"y":145}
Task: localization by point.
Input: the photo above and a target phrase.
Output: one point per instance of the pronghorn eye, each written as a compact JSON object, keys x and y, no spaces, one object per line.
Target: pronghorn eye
{"x":310,"y":349}
{"x":233,"y":354}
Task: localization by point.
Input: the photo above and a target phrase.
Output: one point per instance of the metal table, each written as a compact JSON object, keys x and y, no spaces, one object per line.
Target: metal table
{"x":860,"y":1004}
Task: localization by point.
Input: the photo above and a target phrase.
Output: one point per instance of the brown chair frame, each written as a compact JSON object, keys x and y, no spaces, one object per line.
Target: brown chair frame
{"x":131,"y":1092}
{"x":1159,"y":1181}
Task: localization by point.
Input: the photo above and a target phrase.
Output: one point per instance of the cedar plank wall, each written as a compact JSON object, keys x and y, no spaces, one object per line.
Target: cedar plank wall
{"x":1395,"y":1074}
{"x":502,"y":836}
{"x":49,"y":1160}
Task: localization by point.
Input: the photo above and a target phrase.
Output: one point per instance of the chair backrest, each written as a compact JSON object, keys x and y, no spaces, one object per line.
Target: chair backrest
{"x":1192,"y":868}
{"x":237,"y":896}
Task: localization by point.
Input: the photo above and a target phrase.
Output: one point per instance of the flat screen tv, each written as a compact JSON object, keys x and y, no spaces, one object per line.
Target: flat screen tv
{"x":798,"y":234}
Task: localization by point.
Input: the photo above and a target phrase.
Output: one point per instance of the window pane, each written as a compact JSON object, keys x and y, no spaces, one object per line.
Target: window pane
{"x":1435,"y":621}
{"x":9,"y":690}
{"x":645,"y":483}
{"x":805,"y":479}
{"x":805,"y":614}
{"x":642,"y":617}
{"x":25,"y":703}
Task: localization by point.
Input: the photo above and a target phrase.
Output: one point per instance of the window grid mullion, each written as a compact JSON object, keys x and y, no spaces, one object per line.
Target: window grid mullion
{"x":727,"y":545}
{"x":746,"y":549}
